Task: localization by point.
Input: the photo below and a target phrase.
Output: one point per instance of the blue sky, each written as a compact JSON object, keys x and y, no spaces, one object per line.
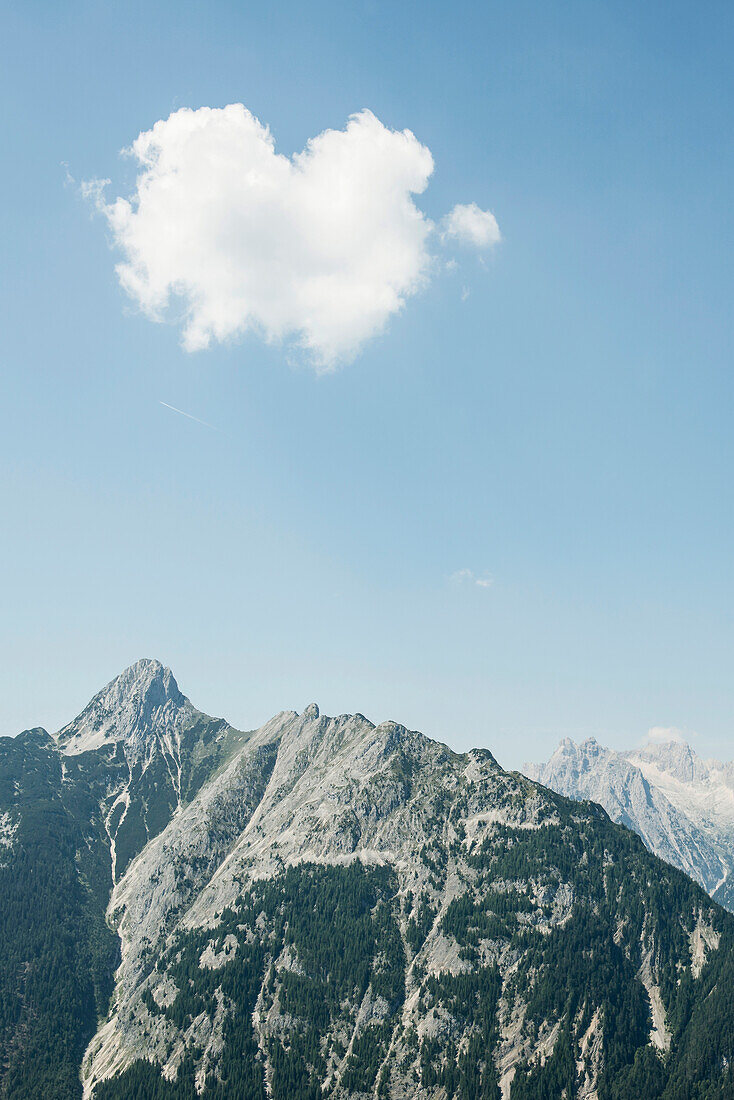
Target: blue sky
{"x":556,"y":415}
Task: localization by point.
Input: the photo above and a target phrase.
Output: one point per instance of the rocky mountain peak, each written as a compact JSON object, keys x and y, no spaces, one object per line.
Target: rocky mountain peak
{"x":142,"y":699}
{"x":35,"y":736}
{"x":675,"y":757}
{"x":569,"y":758}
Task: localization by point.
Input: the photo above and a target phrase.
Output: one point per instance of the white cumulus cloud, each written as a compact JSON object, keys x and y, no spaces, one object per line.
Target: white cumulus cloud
{"x":321,"y":248}
{"x":470,"y":225}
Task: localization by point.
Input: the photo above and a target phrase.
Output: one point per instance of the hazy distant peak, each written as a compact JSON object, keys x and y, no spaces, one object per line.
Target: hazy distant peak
{"x":682,"y":806}
{"x":675,"y":757}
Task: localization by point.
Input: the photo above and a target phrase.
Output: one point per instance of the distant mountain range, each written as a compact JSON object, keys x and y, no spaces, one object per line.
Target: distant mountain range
{"x":329,"y":908}
{"x":681,"y":806}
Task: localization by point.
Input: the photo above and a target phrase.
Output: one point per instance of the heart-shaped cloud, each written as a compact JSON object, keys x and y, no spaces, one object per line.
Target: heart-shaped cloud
{"x":320,"y":248}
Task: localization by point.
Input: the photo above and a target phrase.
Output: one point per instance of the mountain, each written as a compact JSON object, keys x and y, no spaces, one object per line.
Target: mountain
{"x":329,"y":908}
{"x":74,"y":810}
{"x":681,"y":806}
{"x":147,"y":750}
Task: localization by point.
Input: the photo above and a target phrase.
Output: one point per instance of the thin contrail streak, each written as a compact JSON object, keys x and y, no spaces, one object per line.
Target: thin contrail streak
{"x":189,"y":415}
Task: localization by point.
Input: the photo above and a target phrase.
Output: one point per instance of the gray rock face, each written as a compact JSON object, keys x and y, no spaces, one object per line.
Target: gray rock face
{"x":463,"y":842}
{"x":681,"y":806}
{"x":304,"y":789}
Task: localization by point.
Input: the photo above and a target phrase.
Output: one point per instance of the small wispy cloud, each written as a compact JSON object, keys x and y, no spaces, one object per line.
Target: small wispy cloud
{"x":189,"y":416}
{"x":468,"y":576}
{"x":661,"y":735}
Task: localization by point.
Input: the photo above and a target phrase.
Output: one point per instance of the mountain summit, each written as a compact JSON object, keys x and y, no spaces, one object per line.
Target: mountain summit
{"x":141,"y":702}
